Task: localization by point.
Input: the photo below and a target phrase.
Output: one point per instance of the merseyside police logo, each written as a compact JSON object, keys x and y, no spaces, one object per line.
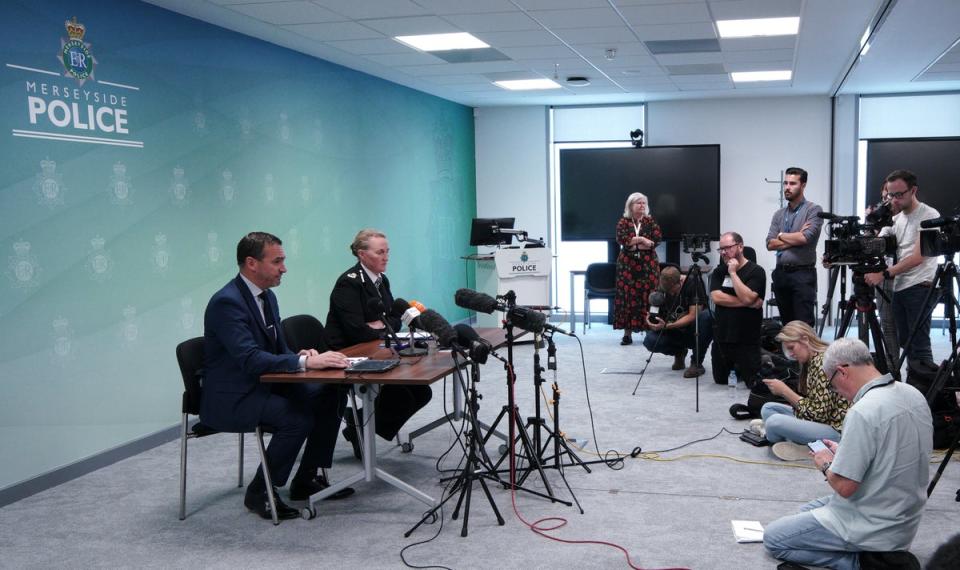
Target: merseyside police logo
{"x":524,"y":257}
{"x":49,"y":185}
{"x":161,"y":255}
{"x":293,"y":243}
{"x":75,"y":54}
{"x":24,"y":268}
{"x":129,"y":331}
{"x":99,"y":264}
{"x":62,"y":339}
{"x":179,"y":187}
{"x":228,"y":191}
{"x":213,"y":250}
{"x":120,"y":187}
{"x":269,"y":193}
{"x":187,"y":318}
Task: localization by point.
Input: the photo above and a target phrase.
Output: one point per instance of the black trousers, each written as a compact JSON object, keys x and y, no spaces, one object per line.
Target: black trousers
{"x":744,"y":358}
{"x":396,"y":404}
{"x":295,"y":413}
{"x":796,"y":293}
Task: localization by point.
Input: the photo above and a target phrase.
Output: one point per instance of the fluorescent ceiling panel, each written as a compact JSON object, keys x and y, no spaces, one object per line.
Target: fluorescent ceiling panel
{"x":442,"y":42}
{"x":527,"y":84}
{"x":758,"y":27}
{"x":749,"y":76}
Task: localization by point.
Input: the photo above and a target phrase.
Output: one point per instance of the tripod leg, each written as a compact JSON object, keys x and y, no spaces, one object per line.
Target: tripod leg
{"x":845,"y":317}
{"x":943,"y":465}
{"x":834,"y":274}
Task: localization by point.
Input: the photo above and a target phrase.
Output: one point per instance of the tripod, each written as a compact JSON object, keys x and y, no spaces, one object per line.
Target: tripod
{"x":836,"y":273}
{"x":943,"y":282}
{"x":861,"y":302}
{"x":477,"y":463}
{"x":517,"y":433}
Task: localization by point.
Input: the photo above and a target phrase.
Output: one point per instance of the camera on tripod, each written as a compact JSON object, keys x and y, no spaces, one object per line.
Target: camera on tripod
{"x":946,"y":241}
{"x":696,"y":245}
{"x":858,"y":244}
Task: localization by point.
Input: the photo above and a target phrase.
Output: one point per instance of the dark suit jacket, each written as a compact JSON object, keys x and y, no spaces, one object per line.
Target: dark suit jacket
{"x":237,"y":351}
{"x":349,"y":310}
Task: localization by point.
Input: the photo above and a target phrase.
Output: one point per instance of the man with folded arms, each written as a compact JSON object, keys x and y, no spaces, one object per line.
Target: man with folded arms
{"x":243,"y":340}
{"x":878,"y":473}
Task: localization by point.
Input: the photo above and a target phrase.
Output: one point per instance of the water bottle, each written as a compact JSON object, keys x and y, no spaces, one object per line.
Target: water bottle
{"x":732,"y":380}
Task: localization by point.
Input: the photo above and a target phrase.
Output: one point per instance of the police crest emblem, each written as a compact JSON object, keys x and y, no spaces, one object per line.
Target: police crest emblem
{"x":75,"y":54}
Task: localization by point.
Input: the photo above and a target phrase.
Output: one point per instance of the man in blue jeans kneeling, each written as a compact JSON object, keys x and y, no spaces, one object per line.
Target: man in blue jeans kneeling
{"x":878,"y":473}
{"x":683,"y":318}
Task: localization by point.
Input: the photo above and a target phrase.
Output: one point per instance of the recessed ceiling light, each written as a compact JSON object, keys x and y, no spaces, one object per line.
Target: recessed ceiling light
{"x":758,"y":27}
{"x":747,"y":76}
{"x":578,"y":81}
{"x":442,"y":42}
{"x":527,"y":84}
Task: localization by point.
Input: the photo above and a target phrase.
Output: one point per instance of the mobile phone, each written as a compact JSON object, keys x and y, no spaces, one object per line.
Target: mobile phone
{"x":816,"y":446}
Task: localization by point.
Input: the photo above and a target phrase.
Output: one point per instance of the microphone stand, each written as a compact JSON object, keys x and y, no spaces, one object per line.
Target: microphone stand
{"x":411,"y":350}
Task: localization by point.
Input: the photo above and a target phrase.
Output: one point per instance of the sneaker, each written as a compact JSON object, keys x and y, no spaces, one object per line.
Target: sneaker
{"x":756,"y":426}
{"x":693,"y":371}
{"x":678,"y":360}
{"x":789,"y":451}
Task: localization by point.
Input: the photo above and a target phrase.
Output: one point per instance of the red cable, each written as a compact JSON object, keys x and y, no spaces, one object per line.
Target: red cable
{"x":536,"y":526}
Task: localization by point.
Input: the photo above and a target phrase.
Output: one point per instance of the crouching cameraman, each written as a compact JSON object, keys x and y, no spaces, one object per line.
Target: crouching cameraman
{"x":683,"y":314}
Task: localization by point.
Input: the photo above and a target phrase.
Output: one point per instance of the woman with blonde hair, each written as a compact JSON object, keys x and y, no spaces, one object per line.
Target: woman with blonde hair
{"x":815,"y":411}
{"x":638,"y":270}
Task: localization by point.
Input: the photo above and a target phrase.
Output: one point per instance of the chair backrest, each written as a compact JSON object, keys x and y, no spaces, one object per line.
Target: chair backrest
{"x":190,"y":359}
{"x":600,"y":278}
{"x":304,"y":331}
{"x":750,"y":253}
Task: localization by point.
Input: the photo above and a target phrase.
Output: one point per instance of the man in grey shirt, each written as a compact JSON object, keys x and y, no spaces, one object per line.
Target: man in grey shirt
{"x":794,"y":232}
{"x":878,"y":472}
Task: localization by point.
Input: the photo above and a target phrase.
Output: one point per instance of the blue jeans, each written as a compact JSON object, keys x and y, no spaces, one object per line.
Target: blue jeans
{"x":674,"y":341}
{"x":781,"y":424}
{"x":802,"y":539}
{"x":907,"y":306}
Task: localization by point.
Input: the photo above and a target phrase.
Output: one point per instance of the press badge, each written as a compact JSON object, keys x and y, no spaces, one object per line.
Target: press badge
{"x":727,"y":282}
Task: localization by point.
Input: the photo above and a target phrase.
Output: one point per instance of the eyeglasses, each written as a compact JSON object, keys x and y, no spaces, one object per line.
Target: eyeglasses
{"x":724,"y":248}
{"x":898,"y":195}
{"x":832,"y":376}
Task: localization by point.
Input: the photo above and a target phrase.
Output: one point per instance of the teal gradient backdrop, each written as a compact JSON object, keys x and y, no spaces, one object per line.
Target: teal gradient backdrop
{"x":113,"y":251}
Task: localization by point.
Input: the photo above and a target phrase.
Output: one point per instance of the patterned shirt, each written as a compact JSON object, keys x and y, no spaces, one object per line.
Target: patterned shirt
{"x":821,"y":404}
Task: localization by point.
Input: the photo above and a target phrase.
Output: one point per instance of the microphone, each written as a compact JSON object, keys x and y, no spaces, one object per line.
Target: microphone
{"x":433,"y":323}
{"x":409,"y":315}
{"x":657,"y":299}
{"x":939,"y":222}
{"x":470,"y":342}
{"x":375,"y":305}
{"x":766,"y":365}
{"x":476,"y":301}
{"x":534,"y":321}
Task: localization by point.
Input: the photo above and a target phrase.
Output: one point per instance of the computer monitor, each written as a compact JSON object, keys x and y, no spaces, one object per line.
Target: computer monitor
{"x":482,"y":232}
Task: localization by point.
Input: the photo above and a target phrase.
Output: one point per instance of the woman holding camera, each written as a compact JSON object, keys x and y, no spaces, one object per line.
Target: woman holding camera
{"x":815,"y":411}
{"x":638,"y":270}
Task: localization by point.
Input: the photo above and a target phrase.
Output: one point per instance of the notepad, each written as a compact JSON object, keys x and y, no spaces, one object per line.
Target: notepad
{"x":747,"y":531}
{"x":371,"y":365}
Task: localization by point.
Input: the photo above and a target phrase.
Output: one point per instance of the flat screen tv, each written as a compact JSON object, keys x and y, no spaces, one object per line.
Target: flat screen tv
{"x":483,"y":231}
{"x":682,"y":184}
{"x":934,"y":161}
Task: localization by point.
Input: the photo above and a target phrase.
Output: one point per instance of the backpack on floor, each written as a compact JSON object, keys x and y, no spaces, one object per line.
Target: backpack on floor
{"x":775,"y":365}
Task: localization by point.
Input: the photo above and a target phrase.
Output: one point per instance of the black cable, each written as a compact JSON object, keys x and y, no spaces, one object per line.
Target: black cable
{"x":617,"y":463}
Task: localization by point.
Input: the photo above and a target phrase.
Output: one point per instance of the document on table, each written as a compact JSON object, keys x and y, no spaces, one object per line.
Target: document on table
{"x":747,"y":531}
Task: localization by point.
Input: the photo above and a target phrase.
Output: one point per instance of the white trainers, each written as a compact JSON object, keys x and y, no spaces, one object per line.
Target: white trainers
{"x":756,"y":426}
{"x":789,"y":451}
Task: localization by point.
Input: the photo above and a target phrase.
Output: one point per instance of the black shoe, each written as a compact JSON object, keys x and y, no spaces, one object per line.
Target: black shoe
{"x":678,"y":360}
{"x":302,"y":491}
{"x":350,"y":434}
{"x":626,"y":340}
{"x":258,"y":502}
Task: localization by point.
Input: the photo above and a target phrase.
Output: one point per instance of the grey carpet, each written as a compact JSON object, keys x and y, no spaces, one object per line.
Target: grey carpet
{"x":665,"y":513}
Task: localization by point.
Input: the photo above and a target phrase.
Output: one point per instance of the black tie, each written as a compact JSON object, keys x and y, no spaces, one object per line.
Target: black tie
{"x":378,"y":282}
{"x":268,"y":320}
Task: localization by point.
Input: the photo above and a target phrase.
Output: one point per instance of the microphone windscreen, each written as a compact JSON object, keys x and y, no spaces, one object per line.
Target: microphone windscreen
{"x":528,"y":320}
{"x":418,"y":305}
{"x":433,"y":323}
{"x":399,"y":307}
{"x":657,"y":298}
{"x":475,"y":301}
{"x":466,"y":334}
{"x":766,"y":365}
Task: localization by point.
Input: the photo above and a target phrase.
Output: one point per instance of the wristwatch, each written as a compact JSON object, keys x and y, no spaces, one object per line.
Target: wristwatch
{"x":886,"y":274}
{"x":824,"y":467}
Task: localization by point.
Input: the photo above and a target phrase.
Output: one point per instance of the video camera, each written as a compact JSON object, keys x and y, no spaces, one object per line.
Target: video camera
{"x":858,"y":244}
{"x":696,"y":245}
{"x":943,"y":242}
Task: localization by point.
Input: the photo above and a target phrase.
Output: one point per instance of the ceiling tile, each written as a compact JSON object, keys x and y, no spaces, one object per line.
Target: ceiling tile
{"x":495,"y":22}
{"x":694,"y":31}
{"x":412,"y":26}
{"x":409,"y":58}
{"x":776,"y":42}
{"x":597,"y":35}
{"x":646,"y":71}
{"x":470,"y":55}
{"x":333,"y":31}
{"x":697,"y":79}
{"x":444,"y":7}
{"x":460,"y":68}
{"x":623,"y":48}
{"x":359,"y":10}
{"x":660,"y":47}
{"x":501,"y":40}
{"x":745,"y":9}
{"x":581,"y":18}
{"x":666,"y":14}
{"x":561,"y":4}
{"x":300,"y":12}
{"x":705,"y":86}
{"x":945,"y":76}
{"x":626,"y":61}
{"x":689,"y":58}
{"x":538,"y":52}
{"x":370,"y":46}
{"x":758,"y":55}
{"x":462,"y":79}
{"x":696,"y":69}
{"x":760,"y":66}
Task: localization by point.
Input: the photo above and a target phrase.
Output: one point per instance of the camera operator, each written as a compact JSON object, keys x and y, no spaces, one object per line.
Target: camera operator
{"x":737,"y":287}
{"x":913,"y":274}
{"x":793,"y":235}
{"x":674,"y":331}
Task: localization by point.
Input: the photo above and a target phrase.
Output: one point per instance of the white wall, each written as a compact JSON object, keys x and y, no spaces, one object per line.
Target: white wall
{"x":910,"y":116}
{"x":512,"y":166}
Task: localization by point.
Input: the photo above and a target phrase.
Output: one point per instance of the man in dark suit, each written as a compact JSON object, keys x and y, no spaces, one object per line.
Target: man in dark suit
{"x":358,"y":302}
{"x":244,"y":340}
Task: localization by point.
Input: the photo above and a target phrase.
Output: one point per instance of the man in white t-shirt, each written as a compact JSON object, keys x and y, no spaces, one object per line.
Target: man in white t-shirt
{"x":913,"y":274}
{"x":878,"y":473}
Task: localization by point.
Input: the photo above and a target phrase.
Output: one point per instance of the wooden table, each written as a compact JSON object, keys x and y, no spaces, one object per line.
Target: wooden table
{"x":412,"y":370}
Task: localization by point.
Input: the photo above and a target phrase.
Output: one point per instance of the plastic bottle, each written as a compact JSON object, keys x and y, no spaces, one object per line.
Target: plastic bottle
{"x":732,"y":380}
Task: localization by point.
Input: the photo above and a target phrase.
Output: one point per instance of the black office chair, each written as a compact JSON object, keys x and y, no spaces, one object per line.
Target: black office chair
{"x":599,"y":283}
{"x":190,"y":359}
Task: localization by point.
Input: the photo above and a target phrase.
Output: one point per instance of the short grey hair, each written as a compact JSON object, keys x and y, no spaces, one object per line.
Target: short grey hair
{"x":636,"y":196}
{"x":362,"y":240}
{"x":850,"y":351}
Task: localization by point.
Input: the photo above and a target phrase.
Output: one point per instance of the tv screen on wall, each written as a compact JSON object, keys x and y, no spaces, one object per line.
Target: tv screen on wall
{"x":934,"y":161}
{"x":682,"y":185}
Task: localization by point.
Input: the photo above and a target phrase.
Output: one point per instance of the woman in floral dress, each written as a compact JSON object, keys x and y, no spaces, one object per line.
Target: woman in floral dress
{"x":638,"y":270}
